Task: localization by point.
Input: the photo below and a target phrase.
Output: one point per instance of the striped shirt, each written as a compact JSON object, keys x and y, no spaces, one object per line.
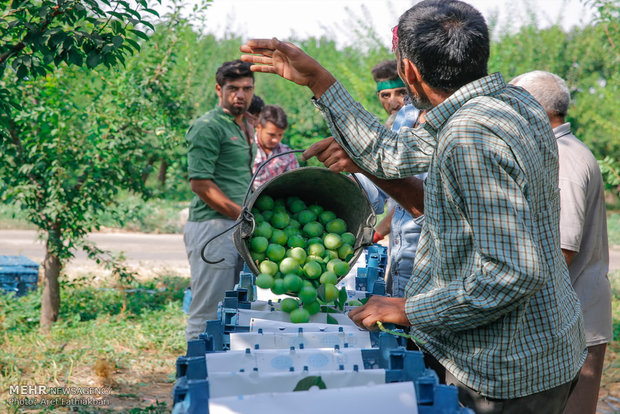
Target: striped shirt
{"x":490,"y":294}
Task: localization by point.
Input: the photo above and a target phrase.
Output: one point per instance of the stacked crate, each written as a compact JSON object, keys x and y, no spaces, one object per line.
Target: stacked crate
{"x":18,"y":275}
{"x":253,"y":360}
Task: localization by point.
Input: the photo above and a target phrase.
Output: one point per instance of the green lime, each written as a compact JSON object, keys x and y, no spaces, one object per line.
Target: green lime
{"x":337,"y":226}
{"x":264,"y":281}
{"x":317,"y":259}
{"x":294,"y":224}
{"x":296,"y":241}
{"x":331,"y":254}
{"x":268,"y":267}
{"x":313,"y":270}
{"x":345,"y":252}
{"x":300,"y":315}
{"x":299,"y":254}
{"x":288,"y":305}
{"x":348,"y":238}
{"x":331,"y":292}
{"x":279,"y":202}
{"x":331,"y":263}
{"x":259,"y":244}
{"x":316,"y":249}
{"x":292,"y":283}
{"x":313,"y":229}
{"x":258,"y":218}
{"x":329,"y":277}
{"x":264,"y":229}
{"x":341,"y":268}
{"x":267,"y":214}
{"x":275,"y":252}
{"x":278,"y":237}
{"x":326,"y":216}
{"x":290,"y":232}
{"x":257,"y":256}
{"x":332,"y":241}
{"x":306,"y":216}
{"x":354,"y":302}
{"x":316,"y":209}
{"x":307,"y":294}
{"x":290,"y":265}
{"x":264,"y":202}
{"x":313,"y":308}
{"x":280,"y":220}
{"x":278,"y":287}
{"x":290,"y":200}
{"x":313,"y":240}
{"x":297,"y":206}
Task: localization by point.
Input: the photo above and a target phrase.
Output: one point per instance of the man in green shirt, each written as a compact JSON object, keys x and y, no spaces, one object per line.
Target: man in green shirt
{"x":220,"y":158}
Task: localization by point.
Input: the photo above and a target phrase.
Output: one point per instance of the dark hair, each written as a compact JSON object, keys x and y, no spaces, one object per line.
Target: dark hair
{"x":275,"y":114}
{"x":386,"y":70}
{"x":256,"y":105}
{"x":233,"y":70}
{"x":448,"y":41}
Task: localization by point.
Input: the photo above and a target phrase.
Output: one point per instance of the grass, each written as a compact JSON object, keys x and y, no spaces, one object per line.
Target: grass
{"x":126,"y":343}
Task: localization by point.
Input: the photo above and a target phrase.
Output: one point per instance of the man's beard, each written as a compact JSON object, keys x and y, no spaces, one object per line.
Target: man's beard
{"x":235,"y":110}
{"x":420,"y":102}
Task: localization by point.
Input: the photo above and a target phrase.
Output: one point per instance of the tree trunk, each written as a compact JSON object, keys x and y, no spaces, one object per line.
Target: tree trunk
{"x":50,"y":301}
{"x":161,"y":176}
{"x":147,"y":170}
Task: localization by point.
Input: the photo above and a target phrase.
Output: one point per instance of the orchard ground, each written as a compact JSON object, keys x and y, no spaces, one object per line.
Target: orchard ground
{"x":129,"y":341}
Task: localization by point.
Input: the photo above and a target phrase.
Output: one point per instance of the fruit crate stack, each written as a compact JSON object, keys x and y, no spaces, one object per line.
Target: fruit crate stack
{"x":18,"y":275}
{"x":252,"y":359}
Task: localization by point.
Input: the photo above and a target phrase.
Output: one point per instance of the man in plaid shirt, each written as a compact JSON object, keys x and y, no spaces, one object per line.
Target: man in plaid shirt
{"x":490,"y":296}
{"x":272,"y":123}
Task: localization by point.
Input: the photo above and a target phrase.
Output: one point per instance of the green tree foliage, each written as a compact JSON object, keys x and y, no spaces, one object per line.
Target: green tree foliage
{"x":589,"y":60}
{"x":63,"y":157}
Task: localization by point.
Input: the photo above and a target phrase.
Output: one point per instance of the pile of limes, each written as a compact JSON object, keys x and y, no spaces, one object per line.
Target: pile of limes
{"x":300,"y":250}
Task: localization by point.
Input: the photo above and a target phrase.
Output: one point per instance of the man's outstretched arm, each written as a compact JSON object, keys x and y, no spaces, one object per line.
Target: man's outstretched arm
{"x":288,"y":61}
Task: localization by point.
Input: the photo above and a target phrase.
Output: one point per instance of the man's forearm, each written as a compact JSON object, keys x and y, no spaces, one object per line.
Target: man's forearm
{"x":408,"y":192}
{"x":215,"y":198}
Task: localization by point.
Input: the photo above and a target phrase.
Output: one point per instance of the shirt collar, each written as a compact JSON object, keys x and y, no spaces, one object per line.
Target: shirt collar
{"x":562,"y":130}
{"x":488,"y":85}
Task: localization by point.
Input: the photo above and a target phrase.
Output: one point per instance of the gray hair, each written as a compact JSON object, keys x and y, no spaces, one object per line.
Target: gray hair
{"x":547,"y":88}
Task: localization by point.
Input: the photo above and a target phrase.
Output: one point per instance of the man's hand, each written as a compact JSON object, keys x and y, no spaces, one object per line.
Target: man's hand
{"x":380,"y":308}
{"x":331,"y":154}
{"x":288,"y":61}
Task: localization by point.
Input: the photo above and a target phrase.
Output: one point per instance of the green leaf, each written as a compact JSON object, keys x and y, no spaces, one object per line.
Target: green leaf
{"x":93,"y":59}
{"x":342,"y":298}
{"x":306,"y":383}
{"x":154,"y":12}
{"x":331,"y":320}
{"x":320,"y":292}
{"x":75,"y":57}
{"x":140,"y":34}
{"x":117,"y":41}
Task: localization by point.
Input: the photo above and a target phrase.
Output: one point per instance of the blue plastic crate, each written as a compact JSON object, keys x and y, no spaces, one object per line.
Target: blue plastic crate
{"x":18,"y":261}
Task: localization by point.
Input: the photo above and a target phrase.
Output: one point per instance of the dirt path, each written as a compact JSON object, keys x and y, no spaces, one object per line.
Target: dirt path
{"x":147,"y":253}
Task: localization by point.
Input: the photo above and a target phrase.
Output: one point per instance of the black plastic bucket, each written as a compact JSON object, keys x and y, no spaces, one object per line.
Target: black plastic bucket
{"x":332,"y":191}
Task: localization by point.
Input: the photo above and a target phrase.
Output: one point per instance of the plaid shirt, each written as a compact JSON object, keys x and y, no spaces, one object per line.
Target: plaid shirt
{"x":275,"y":167}
{"x":490,"y":294}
